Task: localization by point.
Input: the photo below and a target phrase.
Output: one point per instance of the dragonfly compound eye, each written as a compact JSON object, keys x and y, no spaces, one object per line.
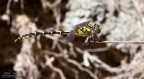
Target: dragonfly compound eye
{"x":97,"y":28}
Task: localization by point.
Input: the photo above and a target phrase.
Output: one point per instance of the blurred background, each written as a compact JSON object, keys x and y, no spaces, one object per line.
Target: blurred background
{"x":49,"y":57}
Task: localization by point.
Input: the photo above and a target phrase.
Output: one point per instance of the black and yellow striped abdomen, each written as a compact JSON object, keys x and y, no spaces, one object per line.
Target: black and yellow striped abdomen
{"x":26,"y":36}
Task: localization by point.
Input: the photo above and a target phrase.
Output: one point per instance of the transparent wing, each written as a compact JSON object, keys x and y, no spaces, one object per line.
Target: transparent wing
{"x":81,"y":24}
{"x":70,"y":37}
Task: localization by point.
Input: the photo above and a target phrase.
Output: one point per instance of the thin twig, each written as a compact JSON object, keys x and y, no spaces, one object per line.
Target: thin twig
{"x":134,"y":42}
{"x":81,"y":68}
{"x":8,"y":7}
{"x":139,"y":13}
{"x":138,"y":10}
{"x":49,"y":63}
{"x":22,"y":5}
{"x":98,"y":49}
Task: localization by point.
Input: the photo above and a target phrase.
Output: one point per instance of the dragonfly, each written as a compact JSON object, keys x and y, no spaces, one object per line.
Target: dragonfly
{"x":86,"y":29}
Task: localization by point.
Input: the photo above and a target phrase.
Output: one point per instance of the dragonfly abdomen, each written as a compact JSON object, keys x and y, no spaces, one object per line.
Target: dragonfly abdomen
{"x":26,"y":36}
{"x":51,"y":32}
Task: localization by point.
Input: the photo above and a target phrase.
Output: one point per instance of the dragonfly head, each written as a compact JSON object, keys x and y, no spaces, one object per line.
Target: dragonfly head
{"x":97,"y":28}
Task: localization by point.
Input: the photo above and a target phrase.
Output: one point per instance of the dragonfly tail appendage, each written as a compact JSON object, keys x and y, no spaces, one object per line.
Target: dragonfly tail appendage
{"x":26,"y":36}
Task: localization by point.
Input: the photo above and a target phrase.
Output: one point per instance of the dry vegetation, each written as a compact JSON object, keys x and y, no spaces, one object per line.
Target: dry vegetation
{"x":50,"y":57}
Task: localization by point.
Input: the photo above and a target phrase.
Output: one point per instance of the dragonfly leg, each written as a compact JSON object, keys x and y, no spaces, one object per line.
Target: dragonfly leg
{"x":98,"y":39}
{"x":92,"y":41}
{"x":87,"y":41}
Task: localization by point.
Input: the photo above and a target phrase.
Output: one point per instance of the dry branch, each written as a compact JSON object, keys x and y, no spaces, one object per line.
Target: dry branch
{"x":133,"y":42}
{"x":49,"y":63}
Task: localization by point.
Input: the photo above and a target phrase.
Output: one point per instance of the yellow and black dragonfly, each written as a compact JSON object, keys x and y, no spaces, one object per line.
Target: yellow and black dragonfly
{"x":86,"y":29}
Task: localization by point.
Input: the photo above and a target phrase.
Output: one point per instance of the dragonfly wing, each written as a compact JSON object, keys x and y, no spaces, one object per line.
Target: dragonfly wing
{"x":81,"y":24}
{"x":70,"y":37}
